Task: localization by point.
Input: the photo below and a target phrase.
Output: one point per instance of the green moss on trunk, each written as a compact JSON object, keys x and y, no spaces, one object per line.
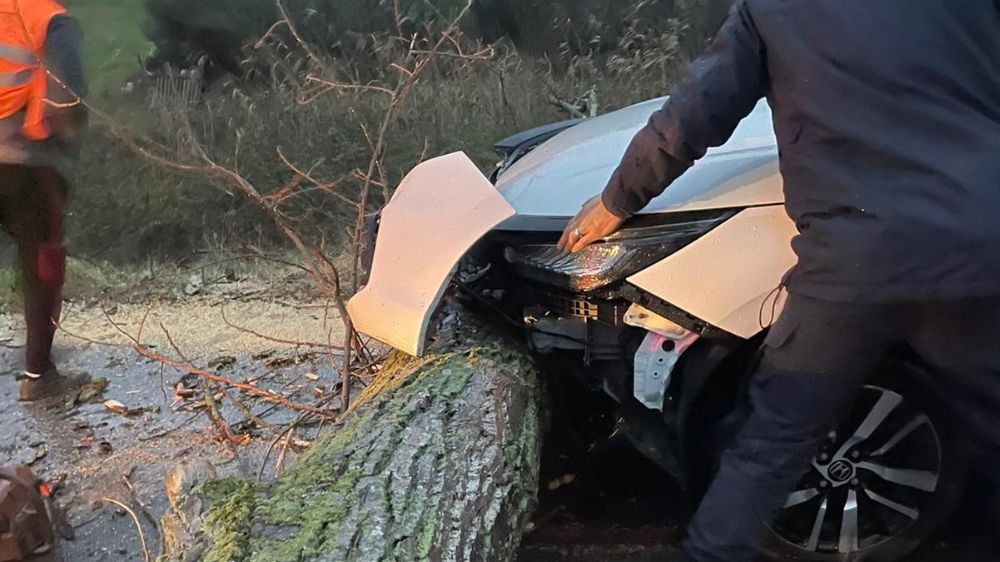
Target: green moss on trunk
{"x":439,"y":462}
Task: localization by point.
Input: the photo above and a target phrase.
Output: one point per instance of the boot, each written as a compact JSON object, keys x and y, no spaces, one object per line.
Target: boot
{"x":36,"y":386}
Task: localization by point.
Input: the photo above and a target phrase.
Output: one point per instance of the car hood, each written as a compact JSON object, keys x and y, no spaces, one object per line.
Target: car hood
{"x":550,"y":183}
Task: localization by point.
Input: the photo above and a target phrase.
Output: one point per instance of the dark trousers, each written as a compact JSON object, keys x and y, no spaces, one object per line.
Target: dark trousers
{"x":31,"y":211}
{"x":818,"y":357}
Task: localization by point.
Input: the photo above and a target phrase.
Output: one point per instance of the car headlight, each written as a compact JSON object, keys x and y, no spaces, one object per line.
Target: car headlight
{"x":626,"y":252}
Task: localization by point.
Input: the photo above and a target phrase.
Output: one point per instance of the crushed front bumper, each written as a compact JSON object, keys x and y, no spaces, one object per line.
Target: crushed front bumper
{"x":440,"y":210}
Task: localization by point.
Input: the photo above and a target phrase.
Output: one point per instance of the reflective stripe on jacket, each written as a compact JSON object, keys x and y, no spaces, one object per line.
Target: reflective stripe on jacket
{"x":23,"y":80}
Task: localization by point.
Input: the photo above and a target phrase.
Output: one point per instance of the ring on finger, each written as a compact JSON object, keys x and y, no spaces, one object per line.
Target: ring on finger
{"x":577,"y":233}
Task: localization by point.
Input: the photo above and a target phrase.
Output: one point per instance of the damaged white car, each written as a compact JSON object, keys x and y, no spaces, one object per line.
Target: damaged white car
{"x":665,"y":317}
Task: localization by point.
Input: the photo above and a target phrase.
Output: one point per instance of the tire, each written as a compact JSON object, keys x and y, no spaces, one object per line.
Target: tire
{"x":894,"y":488}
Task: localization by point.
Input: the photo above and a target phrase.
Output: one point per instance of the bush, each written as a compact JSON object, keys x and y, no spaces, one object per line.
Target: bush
{"x":183,"y":30}
{"x":126,"y":208}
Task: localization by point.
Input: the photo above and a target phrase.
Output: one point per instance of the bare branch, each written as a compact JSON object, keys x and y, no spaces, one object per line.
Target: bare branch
{"x":344,"y":87}
{"x":138,"y":526}
{"x":329,"y":187}
{"x":318,"y":60}
{"x":265,"y":337}
{"x":270,"y":31}
{"x":247,"y":388}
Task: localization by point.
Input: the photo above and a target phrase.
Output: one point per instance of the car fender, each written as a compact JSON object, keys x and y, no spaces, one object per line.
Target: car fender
{"x":438,"y":212}
{"x":730,"y":277}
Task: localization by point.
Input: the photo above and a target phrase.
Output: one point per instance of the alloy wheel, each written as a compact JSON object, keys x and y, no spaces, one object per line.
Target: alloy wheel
{"x":870,"y":482}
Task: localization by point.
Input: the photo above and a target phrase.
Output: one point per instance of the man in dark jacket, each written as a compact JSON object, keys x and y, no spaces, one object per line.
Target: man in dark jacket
{"x":887,"y":116}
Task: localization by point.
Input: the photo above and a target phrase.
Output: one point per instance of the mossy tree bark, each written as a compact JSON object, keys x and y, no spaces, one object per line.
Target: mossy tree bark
{"x":438,"y":461}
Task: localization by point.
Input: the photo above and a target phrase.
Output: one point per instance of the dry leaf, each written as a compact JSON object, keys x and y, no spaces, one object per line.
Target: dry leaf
{"x":312,"y":376}
{"x":115,"y":407}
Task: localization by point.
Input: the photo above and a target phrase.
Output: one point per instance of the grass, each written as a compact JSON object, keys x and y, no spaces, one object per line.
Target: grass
{"x":113,"y":40}
{"x":124,"y":209}
{"x":92,"y":280}
{"x":83,"y":279}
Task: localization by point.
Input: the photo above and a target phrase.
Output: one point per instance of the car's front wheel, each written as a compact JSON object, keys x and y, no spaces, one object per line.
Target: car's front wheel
{"x":881,"y":484}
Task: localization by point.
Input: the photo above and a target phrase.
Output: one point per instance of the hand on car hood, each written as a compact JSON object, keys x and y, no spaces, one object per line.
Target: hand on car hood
{"x":555,"y":179}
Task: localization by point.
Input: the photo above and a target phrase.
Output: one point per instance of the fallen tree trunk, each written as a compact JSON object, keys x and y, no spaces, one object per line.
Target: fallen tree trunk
{"x":438,"y":461}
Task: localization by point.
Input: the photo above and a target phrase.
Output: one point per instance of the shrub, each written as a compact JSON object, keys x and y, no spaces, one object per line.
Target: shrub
{"x":183,"y":30}
{"x":127,"y":208}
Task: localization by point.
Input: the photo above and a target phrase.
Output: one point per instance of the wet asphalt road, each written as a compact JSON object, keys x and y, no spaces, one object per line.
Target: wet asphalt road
{"x":65,"y":443}
{"x":91,"y":452}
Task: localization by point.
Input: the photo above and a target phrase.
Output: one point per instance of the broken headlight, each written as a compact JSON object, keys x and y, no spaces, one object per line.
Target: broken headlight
{"x":627,"y":251}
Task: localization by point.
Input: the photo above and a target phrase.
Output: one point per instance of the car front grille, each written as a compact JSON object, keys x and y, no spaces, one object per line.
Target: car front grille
{"x":569,"y":305}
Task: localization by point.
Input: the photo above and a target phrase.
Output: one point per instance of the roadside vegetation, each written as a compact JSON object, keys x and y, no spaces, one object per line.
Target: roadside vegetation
{"x":114,"y":39}
{"x":196,"y":75}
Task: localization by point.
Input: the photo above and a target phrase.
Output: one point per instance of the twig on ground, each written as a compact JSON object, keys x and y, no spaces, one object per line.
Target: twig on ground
{"x":279,"y":465}
{"x":266,"y":337}
{"x":63,"y":329}
{"x":187,"y":366}
{"x":267,"y":453}
{"x":301,"y":306}
{"x":245,"y":410}
{"x":163,"y":384}
{"x":247,"y":388}
{"x":138,"y":526}
{"x":300,"y":420}
{"x":142,"y":323}
{"x":135,"y":497}
{"x":212,"y":409}
{"x":119,"y":329}
{"x":171,"y":430}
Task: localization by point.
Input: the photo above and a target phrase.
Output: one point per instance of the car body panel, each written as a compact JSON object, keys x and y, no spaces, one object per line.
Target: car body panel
{"x":440,"y":210}
{"x":444,"y":206}
{"x":550,"y":183}
{"x":729,"y":277}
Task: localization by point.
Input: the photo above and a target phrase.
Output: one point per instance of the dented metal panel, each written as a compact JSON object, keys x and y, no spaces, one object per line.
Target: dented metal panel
{"x":440,"y":210}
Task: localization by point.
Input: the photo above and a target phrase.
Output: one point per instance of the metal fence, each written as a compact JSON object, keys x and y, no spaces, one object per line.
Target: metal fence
{"x":176,"y":89}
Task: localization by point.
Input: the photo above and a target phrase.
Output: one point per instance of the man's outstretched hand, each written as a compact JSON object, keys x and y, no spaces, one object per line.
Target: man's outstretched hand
{"x":592,"y":223}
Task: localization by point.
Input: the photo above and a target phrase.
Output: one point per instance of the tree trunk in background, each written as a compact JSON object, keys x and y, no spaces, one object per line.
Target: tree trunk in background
{"x":437,"y":461}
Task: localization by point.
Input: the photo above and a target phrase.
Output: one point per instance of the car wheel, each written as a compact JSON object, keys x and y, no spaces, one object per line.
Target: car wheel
{"x":882,"y":483}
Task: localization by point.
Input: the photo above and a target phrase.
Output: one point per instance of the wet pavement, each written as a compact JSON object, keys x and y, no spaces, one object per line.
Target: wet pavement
{"x":93,"y":453}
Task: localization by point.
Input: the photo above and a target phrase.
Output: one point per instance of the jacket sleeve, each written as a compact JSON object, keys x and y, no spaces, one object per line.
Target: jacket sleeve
{"x":702,"y":112}
{"x":63,"y":47}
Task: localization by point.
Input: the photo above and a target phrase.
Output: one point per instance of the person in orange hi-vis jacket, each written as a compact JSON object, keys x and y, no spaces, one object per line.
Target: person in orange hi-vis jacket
{"x":41,"y":118}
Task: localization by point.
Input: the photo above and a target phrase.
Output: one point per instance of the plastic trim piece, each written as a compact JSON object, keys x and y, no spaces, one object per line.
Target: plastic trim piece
{"x":439,"y":211}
